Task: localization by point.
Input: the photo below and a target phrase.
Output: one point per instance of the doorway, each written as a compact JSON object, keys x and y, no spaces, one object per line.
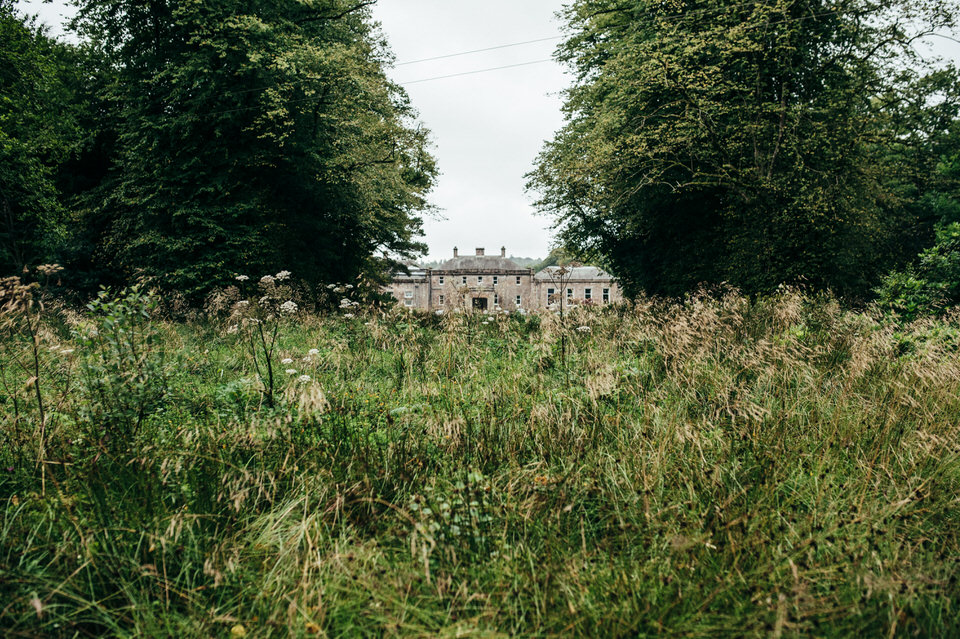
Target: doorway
{"x":480,"y":303}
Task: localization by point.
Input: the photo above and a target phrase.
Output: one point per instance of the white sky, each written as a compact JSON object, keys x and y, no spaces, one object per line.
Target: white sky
{"x":487,"y":127}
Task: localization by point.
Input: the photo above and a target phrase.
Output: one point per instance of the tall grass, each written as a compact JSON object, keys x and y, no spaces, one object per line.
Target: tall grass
{"x":721,"y":467}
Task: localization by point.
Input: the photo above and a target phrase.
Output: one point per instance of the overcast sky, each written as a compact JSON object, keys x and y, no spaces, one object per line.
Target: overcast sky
{"x":487,"y":127}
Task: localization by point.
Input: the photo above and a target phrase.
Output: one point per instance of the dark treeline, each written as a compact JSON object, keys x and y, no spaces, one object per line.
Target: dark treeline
{"x":184,"y":142}
{"x":760,"y":143}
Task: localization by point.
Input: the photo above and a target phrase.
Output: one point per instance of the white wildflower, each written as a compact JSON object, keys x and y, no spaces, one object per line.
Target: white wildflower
{"x":286,"y":361}
{"x":349,"y":316}
{"x":243,"y":303}
{"x":313,"y":351}
{"x":241,"y":278}
{"x":304,"y":379}
{"x":339,"y":289}
{"x":264,"y":301}
{"x":66,"y":351}
{"x":288,"y":308}
{"x":349,"y":286}
{"x":345,"y":303}
{"x":291,"y":371}
{"x":282,"y":275}
{"x":331,"y":286}
{"x":584,"y":329}
{"x":266,"y":279}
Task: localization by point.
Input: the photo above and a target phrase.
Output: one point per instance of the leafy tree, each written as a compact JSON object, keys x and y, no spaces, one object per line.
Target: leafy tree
{"x":252,"y":136}
{"x":37,"y":130}
{"x":753,"y":143}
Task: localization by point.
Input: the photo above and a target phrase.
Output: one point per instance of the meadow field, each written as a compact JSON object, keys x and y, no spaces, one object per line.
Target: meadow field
{"x":719,"y":467}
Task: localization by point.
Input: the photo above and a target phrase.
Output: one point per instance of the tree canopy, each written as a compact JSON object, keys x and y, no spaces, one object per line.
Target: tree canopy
{"x":235,"y":136}
{"x":753,"y":143}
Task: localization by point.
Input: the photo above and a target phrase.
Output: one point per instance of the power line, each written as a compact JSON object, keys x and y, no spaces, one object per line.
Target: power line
{"x":457,"y":75}
{"x":461,"y":53}
{"x":523,"y":64}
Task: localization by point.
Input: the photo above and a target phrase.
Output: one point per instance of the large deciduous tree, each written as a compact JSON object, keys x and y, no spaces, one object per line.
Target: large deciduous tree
{"x":252,"y":136}
{"x":749,"y":142}
{"x":36,"y":132}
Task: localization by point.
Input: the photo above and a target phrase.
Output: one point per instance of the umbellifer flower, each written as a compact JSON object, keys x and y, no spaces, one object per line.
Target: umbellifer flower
{"x":282,"y":275}
{"x":291,"y":371}
{"x":288,"y":308}
{"x":584,"y":329}
{"x":313,"y":351}
{"x":304,"y":379}
{"x":349,"y":316}
{"x":286,"y":360}
{"x":241,"y":278}
{"x":266,"y":279}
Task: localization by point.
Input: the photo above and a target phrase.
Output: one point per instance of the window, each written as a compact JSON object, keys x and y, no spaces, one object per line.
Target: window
{"x":518,"y":280}
{"x":518,"y":301}
{"x":588,"y":293}
{"x":408,"y":294}
{"x":440,"y":300}
{"x":496,"y":280}
{"x":496,"y":299}
{"x":569,"y":293}
{"x":440,"y":280}
{"x":408,"y":302}
{"x":606,"y":295}
{"x":550,"y":293}
{"x":464,"y":278}
{"x":480,"y":280}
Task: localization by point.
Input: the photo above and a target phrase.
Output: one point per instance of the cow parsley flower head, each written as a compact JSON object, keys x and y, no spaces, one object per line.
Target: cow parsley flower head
{"x":243,"y":303}
{"x":266,"y":279}
{"x":286,"y":360}
{"x":584,"y":329}
{"x":288,"y":308}
{"x":349,"y":315}
{"x":331,"y":286}
{"x":313,"y":351}
{"x":291,"y":371}
{"x":304,"y":379}
{"x":282,"y":275}
{"x":241,"y":278}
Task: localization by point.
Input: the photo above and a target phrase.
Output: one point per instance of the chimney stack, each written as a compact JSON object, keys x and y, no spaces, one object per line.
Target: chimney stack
{"x":503,"y":251}
{"x":479,"y":252}
{"x":455,"y":252}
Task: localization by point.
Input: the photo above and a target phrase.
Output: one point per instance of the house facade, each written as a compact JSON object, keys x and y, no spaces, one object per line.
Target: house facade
{"x":489,"y":282}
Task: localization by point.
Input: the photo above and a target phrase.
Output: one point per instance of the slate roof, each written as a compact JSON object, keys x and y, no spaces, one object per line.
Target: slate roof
{"x":577,"y":273}
{"x":479,"y":263}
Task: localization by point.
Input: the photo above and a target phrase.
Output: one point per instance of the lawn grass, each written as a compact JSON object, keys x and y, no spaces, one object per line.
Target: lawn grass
{"x":719,"y":467}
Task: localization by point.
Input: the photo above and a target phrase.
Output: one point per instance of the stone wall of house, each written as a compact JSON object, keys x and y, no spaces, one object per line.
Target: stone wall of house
{"x":491,"y":283}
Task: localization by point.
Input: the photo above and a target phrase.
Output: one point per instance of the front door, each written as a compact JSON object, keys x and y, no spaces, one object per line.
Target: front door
{"x":480,"y":303}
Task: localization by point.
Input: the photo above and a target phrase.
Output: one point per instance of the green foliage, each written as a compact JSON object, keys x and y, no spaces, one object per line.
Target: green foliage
{"x":751,"y":143}
{"x":250,"y":135}
{"x":724,"y":466}
{"x":930,"y":285}
{"x":37,"y":130}
{"x":123,"y":381}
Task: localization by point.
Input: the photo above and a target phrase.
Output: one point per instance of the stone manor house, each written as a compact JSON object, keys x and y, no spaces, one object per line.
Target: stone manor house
{"x":489,"y":282}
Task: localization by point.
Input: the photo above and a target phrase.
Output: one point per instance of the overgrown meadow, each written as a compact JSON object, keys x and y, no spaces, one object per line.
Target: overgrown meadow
{"x":719,"y":467}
